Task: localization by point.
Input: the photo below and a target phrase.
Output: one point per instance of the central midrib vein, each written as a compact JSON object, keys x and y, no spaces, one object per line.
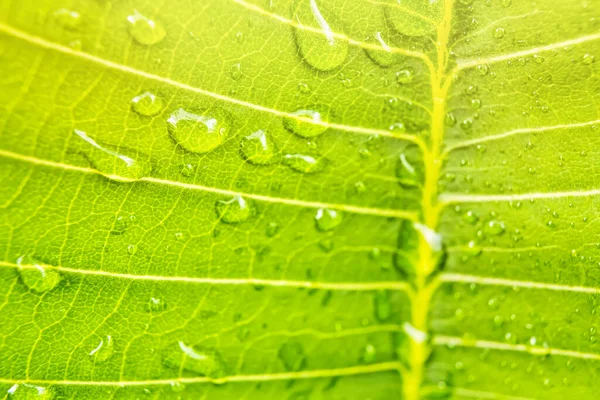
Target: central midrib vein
{"x":424,"y":288}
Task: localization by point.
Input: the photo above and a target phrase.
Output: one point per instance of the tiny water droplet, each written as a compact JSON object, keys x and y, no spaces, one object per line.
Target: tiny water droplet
{"x":407,"y":170}
{"x":327,"y":219}
{"x":147,"y":104}
{"x":131,"y":249}
{"x":326,"y":245}
{"x":258,"y":148}
{"x":156,"y":305}
{"x":205,"y":361}
{"x":382,"y":305}
{"x":292,"y":355}
{"x":198,"y":133}
{"x":382,"y":55}
{"x":305,"y":123}
{"x":104,"y":350}
{"x":450,"y":120}
{"x":37,"y":277}
{"x":498,"y":33}
{"x":304,"y":163}
{"x":359,"y":187}
{"x":144,"y":30}
{"x":467,"y":124}
{"x":234,"y":210}
{"x":187,"y":170}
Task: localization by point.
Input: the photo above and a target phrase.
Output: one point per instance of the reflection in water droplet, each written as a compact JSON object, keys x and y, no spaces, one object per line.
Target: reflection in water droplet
{"x":67,"y":18}
{"x":37,"y":277}
{"x":104,"y":350}
{"x":304,"y":163}
{"x":147,"y":104}
{"x":202,"y":360}
{"x":258,"y":148}
{"x":26,"y":391}
{"x":145,"y":30}
{"x":156,"y":305}
{"x":198,"y":133}
{"x":305,"y":123}
{"x":327,"y":219}
{"x":321,"y":50}
{"x":234,"y":210}
{"x":495,"y":227}
{"x":116,"y":166}
{"x":292,"y":355}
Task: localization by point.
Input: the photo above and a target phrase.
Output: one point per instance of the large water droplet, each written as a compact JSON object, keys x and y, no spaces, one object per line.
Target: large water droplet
{"x":26,"y":391}
{"x":145,"y":30}
{"x":37,"y":277}
{"x":495,"y":227}
{"x":234,"y":210}
{"x":292,"y":355}
{"x":304,"y":163}
{"x":198,"y":133}
{"x":147,"y":104}
{"x":321,"y":50}
{"x":327,"y":219}
{"x":104,"y":350}
{"x":202,"y":360}
{"x":258,"y":148}
{"x":304,"y":123}
{"x":382,"y":56}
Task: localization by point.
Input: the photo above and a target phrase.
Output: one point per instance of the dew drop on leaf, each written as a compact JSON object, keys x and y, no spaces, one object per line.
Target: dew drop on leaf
{"x":236,"y":71}
{"x":144,"y":30}
{"x":408,"y":169}
{"x":483,"y":69}
{"x":104,"y":350}
{"x":495,"y":227}
{"x":305,"y":123}
{"x":205,"y":361}
{"x":382,"y":305}
{"x":258,"y":148}
{"x":272,"y":229}
{"x":26,"y":391}
{"x":198,"y":133}
{"x":404,"y":76}
{"x":450,"y":120}
{"x":37,"y":277}
{"x":588,"y":59}
{"x":292,"y":355}
{"x":131,"y":249}
{"x":369,"y":353}
{"x":498,"y":33}
{"x":234,"y":210}
{"x":156,"y":305}
{"x":68,"y":19}
{"x":147,"y":104}
{"x":304,"y":163}
{"x":327,"y":219}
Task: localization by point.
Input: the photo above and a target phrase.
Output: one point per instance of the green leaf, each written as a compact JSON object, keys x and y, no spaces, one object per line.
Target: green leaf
{"x":303,"y":199}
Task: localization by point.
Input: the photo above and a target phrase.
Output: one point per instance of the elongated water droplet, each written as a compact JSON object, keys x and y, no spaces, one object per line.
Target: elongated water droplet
{"x":115,"y":164}
{"x":292,"y":355}
{"x":304,"y":123}
{"x":369,"y":353}
{"x":68,"y":19}
{"x":26,"y":391}
{"x":104,"y":350}
{"x":319,"y":47}
{"x":147,"y":104}
{"x":198,"y":133}
{"x":145,"y":30}
{"x":272,"y":229}
{"x":304,"y":163}
{"x":258,"y":148}
{"x":234,"y":210}
{"x":327,"y":219}
{"x":382,"y":305}
{"x":37,"y":277}
{"x":408,"y":168}
{"x":201,"y":360}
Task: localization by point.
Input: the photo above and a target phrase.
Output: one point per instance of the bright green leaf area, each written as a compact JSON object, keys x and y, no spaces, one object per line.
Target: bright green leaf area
{"x":299,"y":199}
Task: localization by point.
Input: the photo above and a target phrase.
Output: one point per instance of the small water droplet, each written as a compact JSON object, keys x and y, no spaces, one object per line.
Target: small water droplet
{"x":327,"y":219}
{"x":144,"y":30}
{"x":292,"y":355}
{"x":450,"y":120}
{"x":131,"y":249}
{"x":304,"y":163}
{"x":68,"y":19}
{"x":234,"y":210}
{"x":147,"y":104}
{"x":156,"y":305}
{"x":187,"y":170}
{"x":369,"y":354}
{"x":258,"y":148}
{"x":359,"y":187}
{"x":37,"y":277}
{"x":382,"y":305}
{"x":26,"y":391}
{"x":201,"y":360}
{"x":588,"y":59}
{"x":467,"y":124}
{"x":104,"y":350}
{"x":382,"y":56}
{"x":305,"y":123}
{"x":495,"y":227}
{"x":236,"y":71}
{"x":272,"y":229}
{"x":407,"y":170}
{"x":506,"y":3}
{"x":404,"y":76}
{"x":498,"y":33}
{"x":198,"y":133}
{"x":483,"y":69}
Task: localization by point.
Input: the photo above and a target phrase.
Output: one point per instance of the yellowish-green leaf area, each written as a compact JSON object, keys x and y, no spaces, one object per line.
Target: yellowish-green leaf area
{"x":299,"y":199}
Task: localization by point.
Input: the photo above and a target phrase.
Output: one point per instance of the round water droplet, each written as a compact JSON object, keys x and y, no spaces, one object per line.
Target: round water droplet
{"x":147,"y":104}
{"x":37,"y":277}
{"x":305,"y":123}
{"x":450,"y":120}
{"x":198,"y":133}
{"x":104,"y":350}
{"x":205,"y":361}
{"x":483,"y":69}
{"x":272,"y":229}
{"x":120,"y":225}
{"x":304,"y":163}
{"x":236,"y":71}
{"x":292,"y":355}
{"x":258,"y":148}
{"x":368,"y":354}
{"x":131,"y":249}
{"x":404,"y":76}
{"x":145,"y":30}
{"x":495,"y":228}
{"x":26,"y":391}
{"x":588,"y":59}
{"x":187,"y":170}
{"x":467,"y":124}
{"x":68,"y":19}
{"x":234,"y":210}
{"x":156,"y":305}
{"x":327,"y":219}
{"x":359,"y":187}
{"x":498,"y":33}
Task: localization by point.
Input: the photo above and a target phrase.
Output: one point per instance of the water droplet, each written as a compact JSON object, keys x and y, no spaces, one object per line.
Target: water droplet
{"x":272,"y":229}
{"x":476,"y":104}
{"x":498,"y":33}
{"x":326,"y":245}
{"x":144,"y":30}
{"x":413,"y":24}
{"x":382,"y":56}
{"x":321,"y":50}
{"x":327,"y":219}
{"x":187,"y":170}
{"x":588,"y":59}
{"x":495,"y":228}
{"x":538,"y":58}
{"x":26,"y":391}
{"x":202,"y":360}
{"x":258,"y":148}
{"x":407,"y":169}
{"x":147,"y":104}
{"x":131,"y":249}
{"x":359,"y":187}
{"x":471,"y":217}
{"x":382,"y":305}
{"x":234,"y":210}
{"x":156,"y":305}
{"x":506,"y":3}
{"x":236,"y":71}
{"x":369,"y":354}
{"x":483,"y":69}
{"x":404,"y":76}
{"x":305,"y":123}
{"x":68,"y":19}
{"x":198,"y":133}
{"x":37,"y":277}
{"x":292,"y":355}
{"x":450,"y":120}
{"x":304,"y":163}
{"x":104,"y":350}
{"x":467,"y":124}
